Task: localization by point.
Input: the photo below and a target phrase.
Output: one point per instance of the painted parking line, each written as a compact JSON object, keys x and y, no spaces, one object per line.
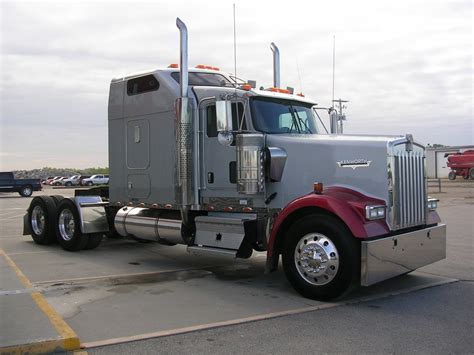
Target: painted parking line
{"x":163,"y":333}
{"x":69,"y":340}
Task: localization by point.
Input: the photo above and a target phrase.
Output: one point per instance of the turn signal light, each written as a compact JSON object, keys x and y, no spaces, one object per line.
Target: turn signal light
{"x":318,"y":188}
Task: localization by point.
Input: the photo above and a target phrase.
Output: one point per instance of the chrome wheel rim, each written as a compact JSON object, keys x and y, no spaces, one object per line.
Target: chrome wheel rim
{"x":66,"y":224}
{"x":27,"y":191}
{"x":38,"y":220}
{"x":316,"y":259}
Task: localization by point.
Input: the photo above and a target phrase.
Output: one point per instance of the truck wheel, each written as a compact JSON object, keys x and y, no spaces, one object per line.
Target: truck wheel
{"x":94,"y":240}
{"x":57,"y":198}
{"x":321,"y":258}
{"x":68,"y":231}
{"x":41,"y":217}
{"x":68,"y":183}
{"x":90,"y":183}
{"x":452,"y":175}
{"x":471,"y":174}
{"x":26,"y":191}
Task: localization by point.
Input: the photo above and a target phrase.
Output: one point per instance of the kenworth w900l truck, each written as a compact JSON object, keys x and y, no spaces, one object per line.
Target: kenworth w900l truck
{"x":201,"y":159}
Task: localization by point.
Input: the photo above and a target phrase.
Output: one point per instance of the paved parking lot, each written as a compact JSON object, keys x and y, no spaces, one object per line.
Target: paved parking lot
{"x":127,"y":291}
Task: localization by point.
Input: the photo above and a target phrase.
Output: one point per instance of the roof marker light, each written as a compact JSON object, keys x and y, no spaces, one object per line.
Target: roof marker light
{"x":210,"y":67}
{"x":173,"y":65}
{"x":281,"y":91}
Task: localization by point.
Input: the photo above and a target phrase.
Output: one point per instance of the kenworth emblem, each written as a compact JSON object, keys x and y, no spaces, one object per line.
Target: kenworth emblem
{"x":354,"y":163}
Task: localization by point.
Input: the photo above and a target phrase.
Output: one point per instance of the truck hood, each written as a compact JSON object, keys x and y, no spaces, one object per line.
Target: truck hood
{"x":358,"y":162}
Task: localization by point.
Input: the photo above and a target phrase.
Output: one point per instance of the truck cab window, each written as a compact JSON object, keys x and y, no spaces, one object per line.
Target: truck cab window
{"x":141,"y":85}
{"x":212,"y":120}
{"x":204,"y":79}
{"x":279,"y":116}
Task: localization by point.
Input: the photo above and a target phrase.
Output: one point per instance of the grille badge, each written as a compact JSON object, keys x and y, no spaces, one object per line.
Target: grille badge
{"x":354,"y":163}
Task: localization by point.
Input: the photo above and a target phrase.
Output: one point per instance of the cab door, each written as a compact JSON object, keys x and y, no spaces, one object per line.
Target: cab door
{"x":219,"y":161}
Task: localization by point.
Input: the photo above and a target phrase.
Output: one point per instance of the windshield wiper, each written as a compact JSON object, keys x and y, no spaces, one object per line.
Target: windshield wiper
{"x":301,"y":121}
{"x":294,"y":122}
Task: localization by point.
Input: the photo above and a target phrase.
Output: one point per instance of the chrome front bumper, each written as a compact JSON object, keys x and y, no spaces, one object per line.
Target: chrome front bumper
{"x":385,"y":258}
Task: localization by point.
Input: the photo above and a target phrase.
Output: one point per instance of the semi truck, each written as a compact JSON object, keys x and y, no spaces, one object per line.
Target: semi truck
{"x":200,"y":158}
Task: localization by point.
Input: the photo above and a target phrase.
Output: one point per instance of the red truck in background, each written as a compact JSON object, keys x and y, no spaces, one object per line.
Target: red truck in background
{"x":461,"y":164}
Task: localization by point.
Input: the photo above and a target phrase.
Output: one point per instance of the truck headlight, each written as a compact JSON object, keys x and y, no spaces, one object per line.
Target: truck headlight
{"x":374,"y":212}
{"x":432,"y":203}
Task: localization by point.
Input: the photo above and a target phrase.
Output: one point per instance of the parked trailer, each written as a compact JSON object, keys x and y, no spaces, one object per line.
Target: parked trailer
{"x":225,"y":169}
{"x":461,"y":164}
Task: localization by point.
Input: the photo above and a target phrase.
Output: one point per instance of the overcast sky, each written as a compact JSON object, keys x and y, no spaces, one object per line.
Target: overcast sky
{"x":406,"y":66}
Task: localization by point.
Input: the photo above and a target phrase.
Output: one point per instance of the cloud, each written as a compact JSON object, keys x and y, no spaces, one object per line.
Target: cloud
{"x":405,"y":66}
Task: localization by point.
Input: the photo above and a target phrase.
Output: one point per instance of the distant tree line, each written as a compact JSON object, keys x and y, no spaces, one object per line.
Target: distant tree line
{"x":50,"y":171}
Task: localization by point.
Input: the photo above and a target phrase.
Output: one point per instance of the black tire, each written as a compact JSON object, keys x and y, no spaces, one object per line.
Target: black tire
{"x":90,"y":183}
{"x":42,"y":228}
{"x":94,"y":241}
{"x":310,"y":231}
{"x":452,"y":175}
{"x":57,"y":199}
{"x":26,"y":191}
{"x":68,"y":230}
{"x":68,"y":183}
{"x":471,"y":173}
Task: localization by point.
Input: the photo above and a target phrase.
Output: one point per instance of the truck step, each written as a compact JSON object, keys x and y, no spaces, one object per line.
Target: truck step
{"x":207,"y":251}
{"x":219,"y":232}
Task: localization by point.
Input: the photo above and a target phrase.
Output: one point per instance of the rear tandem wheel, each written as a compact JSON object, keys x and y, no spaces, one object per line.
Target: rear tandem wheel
{"x":41,"y":220}
{"x":67,"y":226}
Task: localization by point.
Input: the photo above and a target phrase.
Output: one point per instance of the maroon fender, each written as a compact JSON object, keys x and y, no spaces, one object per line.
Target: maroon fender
{"x":347,"y":204}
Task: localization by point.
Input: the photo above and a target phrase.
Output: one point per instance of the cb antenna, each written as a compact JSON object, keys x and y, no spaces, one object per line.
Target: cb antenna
{"x":235,"y":49}
{"x":333,"y":63}
{"x":299,"y":75}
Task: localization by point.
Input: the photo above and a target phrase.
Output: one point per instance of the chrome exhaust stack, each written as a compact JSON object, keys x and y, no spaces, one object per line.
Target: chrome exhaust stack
{"x":184,"y":127}
{"x":276,"y":65}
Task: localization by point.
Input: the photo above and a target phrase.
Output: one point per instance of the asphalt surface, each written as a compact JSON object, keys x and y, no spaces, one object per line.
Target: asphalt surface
{"x":437,"y":320}
{"x":124,"y":291}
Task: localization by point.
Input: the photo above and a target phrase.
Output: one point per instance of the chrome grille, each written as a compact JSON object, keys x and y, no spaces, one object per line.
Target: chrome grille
{"x":409,"y":189}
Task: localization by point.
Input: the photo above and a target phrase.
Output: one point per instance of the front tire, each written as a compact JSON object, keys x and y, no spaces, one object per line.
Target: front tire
{"x":94,"y":241}
{"x":68,"y":230}
{"x":41,"y":218}
{"x":471,"y":174}
{"x":452,"y":175}
{"x":26,"y":191}
{"x":321,"y":258}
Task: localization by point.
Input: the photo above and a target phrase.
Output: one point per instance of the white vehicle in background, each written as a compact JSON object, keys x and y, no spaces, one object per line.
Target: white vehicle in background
{"x":59,"y":182}
{"x":96,"y":180}
{"x":73,"y":180}
{"x":53,"y":181}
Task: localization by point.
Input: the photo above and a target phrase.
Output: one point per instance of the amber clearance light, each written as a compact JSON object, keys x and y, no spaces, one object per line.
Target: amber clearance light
{"x":318,"y":187}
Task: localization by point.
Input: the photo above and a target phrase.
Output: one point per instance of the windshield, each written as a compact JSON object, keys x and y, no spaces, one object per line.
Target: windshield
{"x":279,"y":116}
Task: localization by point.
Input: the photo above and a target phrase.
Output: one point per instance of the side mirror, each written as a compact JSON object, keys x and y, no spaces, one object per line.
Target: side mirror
{"x":224,"y":115}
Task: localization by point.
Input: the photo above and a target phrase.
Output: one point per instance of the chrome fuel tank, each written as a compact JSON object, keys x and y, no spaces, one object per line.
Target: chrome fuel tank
{"x":145,"y":223}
